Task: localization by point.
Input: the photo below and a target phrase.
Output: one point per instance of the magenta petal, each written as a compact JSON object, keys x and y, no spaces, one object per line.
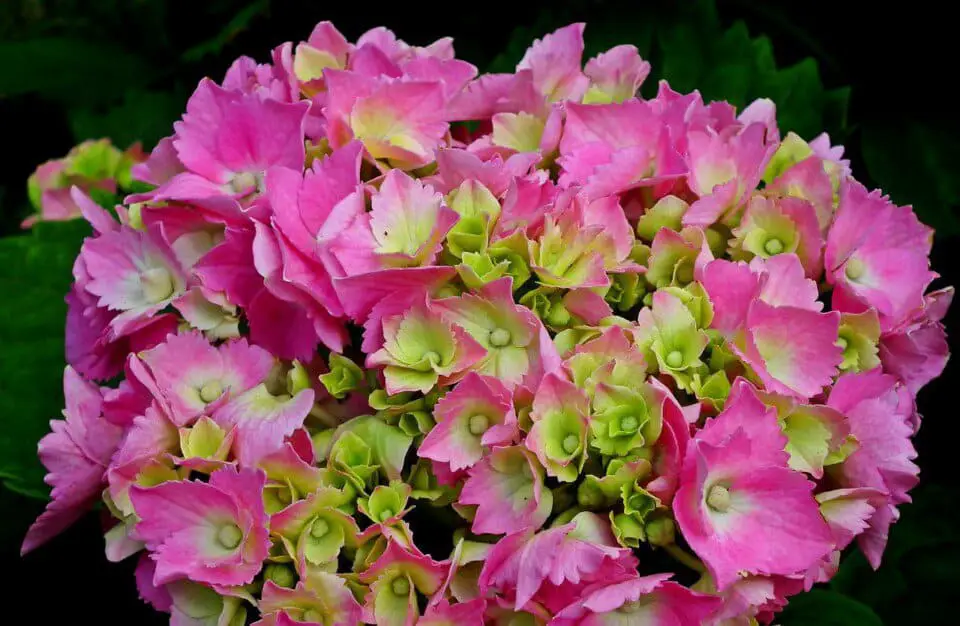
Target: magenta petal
{"x":76,"y":454}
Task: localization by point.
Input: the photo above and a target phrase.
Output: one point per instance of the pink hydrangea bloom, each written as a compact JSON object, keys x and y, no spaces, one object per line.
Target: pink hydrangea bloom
{"x":212,"y":532}
{"x":739,"y":506}
{"x":478,"y":413}
{"x":194,"y":377}
{"x":227,"y":141}
{"x":366,"y":299}
{"x":877,"y":255}
{"x":507,"y":488}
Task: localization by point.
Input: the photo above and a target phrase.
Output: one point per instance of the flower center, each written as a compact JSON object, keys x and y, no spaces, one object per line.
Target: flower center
{"x":157,"y":284}
{"x":773,"y":246}
{"x":229,"y":536}
{"x":319,"y":529}
{"x":571,"y":443}
{"x":478,"y":424}
{"x":386,"y":514}
{"x":400,"y":586}
{"x":842,"y":343}
{"x":499,"y":337}
{"x":629,"y":424}
{"x":675,"y":359}
{"x":313,"y":616}
{"x":854,"y":269}
{"x":432,"y":356}
{"x":211,"y":391}
{"x":718,"y":498}
{"x":244,"y":182}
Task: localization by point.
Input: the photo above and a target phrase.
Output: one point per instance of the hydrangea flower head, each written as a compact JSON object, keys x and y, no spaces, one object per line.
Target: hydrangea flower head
{"x":386,"y":341}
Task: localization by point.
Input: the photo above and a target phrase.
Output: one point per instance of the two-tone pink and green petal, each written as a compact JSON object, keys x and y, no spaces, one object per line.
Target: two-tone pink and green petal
{"x":421,"y":348}
{"x":560,"y":431}
{"x":793,"y":351}
{"x":511,"y":334}
{"x":320,"y":598}
{"x":615,"y":75}
{"x":395,"y":579}
{"x":507,"y":488}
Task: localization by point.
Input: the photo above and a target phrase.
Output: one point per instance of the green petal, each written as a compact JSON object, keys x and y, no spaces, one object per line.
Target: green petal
{"x":666,"y":213}
{"x":388,"y":444}
{"x":344,"y":376}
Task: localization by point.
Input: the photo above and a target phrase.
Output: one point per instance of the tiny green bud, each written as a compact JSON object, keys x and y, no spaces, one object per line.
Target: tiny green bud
{"x":344,"y":376}
{"x":500,"y":337}
{"x":854,"y":269}
{"x":666,"y":213}
{"x":773,"y":246}
{"x":400,"y":586}
{"x":629,"y":424}
{"x":313,"y":616}
{"x":718,"y":498}
{"x":628,"y":531}
{"x":211,"y":391}
{"x":282,"y":575}
{"x":284,"y":496}
{"x":571,"y":443}
{"x":674,"y":359}
{"x":229,"y":536}
{"x":590,"y":496}
{"x":661,"y":531}
{"x":478,"y":424}
{"x":558,"y":315}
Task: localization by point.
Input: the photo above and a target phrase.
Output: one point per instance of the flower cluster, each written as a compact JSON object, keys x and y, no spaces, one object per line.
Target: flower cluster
{"x":390,"y":342}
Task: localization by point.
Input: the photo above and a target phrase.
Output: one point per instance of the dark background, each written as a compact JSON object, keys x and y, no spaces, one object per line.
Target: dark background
{"x":71,"y":70}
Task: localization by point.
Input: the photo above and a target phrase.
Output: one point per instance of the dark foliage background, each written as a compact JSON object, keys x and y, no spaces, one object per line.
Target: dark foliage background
{"x":878,"y":77}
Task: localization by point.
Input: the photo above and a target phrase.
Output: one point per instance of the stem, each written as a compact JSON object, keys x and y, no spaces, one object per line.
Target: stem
{"x":685,"y":557}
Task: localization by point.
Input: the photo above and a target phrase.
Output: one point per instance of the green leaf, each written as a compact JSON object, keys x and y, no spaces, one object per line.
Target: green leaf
{"x":35,"y":274}
{"x":915,"y":162}
{"x":827,"y":608}
{"x":72,"y":70}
